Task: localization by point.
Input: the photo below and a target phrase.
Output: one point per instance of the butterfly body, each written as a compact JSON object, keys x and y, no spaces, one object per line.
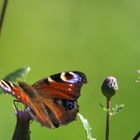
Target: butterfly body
{"x":52,"y":101}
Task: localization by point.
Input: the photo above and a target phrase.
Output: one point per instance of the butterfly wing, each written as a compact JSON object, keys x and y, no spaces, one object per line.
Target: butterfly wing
{"x":58,"y":94}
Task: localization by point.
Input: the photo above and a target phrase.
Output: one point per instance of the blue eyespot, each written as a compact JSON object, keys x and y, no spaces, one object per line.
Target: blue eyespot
{"x":71,"y":77}
{"x":68,"y":104}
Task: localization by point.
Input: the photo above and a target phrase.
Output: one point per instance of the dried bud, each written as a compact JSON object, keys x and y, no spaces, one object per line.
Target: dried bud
{"x":109,"y":86}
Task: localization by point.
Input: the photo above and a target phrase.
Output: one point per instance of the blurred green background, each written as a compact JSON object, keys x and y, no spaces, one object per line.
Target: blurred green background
{"x":97,"y":37}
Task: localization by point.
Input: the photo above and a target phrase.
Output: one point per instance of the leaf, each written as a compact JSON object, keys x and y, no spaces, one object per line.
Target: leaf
{"x":102,"y":106}
{"x":138,"y":71}
{"x":21,"y":72}
{"x":86,"y":127}
{"x":13,"y":76}
{"x":115,"y":110}
{"x":138,"y":80}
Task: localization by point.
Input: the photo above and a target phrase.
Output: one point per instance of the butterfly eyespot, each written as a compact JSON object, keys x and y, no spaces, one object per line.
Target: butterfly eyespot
{"x":68,"y":104}
{"x":70,"y":77}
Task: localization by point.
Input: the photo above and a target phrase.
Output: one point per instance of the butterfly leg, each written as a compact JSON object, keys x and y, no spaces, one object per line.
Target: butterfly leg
{"x":15,"y":104}
{"x":22,"y":113}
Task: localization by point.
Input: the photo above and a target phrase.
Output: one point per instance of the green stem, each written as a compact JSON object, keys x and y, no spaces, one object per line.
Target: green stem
{"x":2,"y":14}
{"x":108,"y":102}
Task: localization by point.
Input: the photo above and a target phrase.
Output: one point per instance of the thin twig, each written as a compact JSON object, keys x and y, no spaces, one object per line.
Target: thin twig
{"x":108,"y":101}
{"x":2,"y":14}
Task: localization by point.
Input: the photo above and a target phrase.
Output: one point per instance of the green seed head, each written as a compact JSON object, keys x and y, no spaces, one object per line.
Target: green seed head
{"x":109,"y":86}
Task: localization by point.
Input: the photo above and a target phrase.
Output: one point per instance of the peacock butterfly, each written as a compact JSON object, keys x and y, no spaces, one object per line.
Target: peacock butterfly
{"x":51,"y":101}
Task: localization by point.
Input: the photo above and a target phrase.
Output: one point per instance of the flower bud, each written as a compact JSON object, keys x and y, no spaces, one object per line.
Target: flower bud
{"x":22,"y":129}
{"x":109,"y":86}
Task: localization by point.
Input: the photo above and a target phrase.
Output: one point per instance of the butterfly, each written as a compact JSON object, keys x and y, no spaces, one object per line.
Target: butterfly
{"x":52,"y":101}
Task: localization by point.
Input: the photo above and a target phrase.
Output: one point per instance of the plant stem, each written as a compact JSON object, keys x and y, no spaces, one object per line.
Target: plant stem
{"x":137,"y":136}
{"x":22,"y":129}
{"x":108,"y":102}
{"x":2,"y":14}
